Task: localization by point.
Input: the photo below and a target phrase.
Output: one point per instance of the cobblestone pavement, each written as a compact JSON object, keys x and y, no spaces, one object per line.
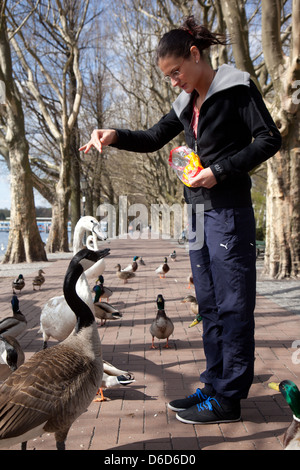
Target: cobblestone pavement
{"x":136,"y":417}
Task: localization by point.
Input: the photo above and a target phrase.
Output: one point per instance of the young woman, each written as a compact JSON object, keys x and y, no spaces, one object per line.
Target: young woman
{"x":228,"y":125}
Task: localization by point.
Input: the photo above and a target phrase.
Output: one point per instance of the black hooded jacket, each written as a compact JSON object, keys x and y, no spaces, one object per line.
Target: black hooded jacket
{"x":235,"y":134}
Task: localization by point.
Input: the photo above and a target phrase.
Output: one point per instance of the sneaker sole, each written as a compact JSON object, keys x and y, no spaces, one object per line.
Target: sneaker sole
{"x":187,"y":421}
{"x":173,"y":408}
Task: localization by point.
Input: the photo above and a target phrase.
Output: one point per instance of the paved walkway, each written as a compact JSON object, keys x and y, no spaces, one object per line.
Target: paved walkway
{"x":136,"y":417}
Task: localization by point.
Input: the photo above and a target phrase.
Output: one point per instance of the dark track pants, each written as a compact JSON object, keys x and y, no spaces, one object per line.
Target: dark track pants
{"x":225,"y":282}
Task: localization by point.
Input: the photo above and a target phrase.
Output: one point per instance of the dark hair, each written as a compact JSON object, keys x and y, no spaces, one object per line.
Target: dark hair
{"x":178,"y":42}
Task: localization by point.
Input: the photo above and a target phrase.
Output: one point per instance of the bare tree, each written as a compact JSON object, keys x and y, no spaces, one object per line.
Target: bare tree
{"x":276,"y":71}
{"x":24,"y":242}
{"x":46,"y":57}
{"x":283,"y":197}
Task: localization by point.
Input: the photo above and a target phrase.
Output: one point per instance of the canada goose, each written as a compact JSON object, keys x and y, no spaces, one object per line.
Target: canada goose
{"x":38,"y":280}
{"x":162,"y":327}
{"x":18,"y":283}
{"x":124,"y":275}
{"x":15,"y":325}
{"x":112,"y":378}
{"x":163,"y":269}
{"x":56,"y":385}
{"x":57,"y":320}
{"x":11,"y":356}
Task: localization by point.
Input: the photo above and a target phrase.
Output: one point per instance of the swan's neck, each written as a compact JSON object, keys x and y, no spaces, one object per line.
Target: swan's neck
{"x":77,"y":240}
{"x":83,"y":313}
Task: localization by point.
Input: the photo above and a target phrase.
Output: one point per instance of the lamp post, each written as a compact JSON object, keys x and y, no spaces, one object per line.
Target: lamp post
{"x":83,"y":187}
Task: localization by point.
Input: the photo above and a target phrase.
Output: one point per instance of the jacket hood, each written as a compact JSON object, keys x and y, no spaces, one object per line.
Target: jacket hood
{"x":226,"y":77}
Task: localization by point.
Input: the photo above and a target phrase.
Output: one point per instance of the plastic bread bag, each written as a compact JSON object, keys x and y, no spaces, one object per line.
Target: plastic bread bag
{"x":185,"y":162}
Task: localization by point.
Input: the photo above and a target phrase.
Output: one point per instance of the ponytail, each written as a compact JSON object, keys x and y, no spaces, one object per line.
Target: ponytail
{"x":178,"y":42}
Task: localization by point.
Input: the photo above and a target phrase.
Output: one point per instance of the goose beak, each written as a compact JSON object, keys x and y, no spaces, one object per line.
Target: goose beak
{"x":274,"y":386}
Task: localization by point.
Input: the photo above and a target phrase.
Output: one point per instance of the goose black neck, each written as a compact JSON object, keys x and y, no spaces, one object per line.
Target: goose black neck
{"x":83,"y":313}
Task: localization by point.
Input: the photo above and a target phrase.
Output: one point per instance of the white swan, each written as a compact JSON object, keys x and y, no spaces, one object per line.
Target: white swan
{"x":57,"y":320}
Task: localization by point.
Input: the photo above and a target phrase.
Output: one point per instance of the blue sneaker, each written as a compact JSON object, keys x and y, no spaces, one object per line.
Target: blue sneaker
{"x":185,"y":403}
{"x":210,"y":412}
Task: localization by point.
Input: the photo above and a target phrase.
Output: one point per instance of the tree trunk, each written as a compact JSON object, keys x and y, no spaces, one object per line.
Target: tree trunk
{"x":282,"y":257}
{"x":283,"y":191}
{"x":24,"y":242}
{"x":58,"y":237}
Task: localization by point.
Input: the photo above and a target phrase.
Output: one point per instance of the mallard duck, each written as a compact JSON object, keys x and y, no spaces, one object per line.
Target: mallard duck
{"x":101,"y":291}
{"x":112,"y":378}
{"x":11,"y":356}
{"x":105,"y":311}
{"x":194,"y":308}
{"x":193,"y":301}
{"x":141,"y":261}
{"x":163,"y":269}
{"x":190,"y":280}
{"x":132,"y":267}
{"x":38,"y":280}
{"x":57,"y":320}
{"x":291,"y":393}
{"x":124,"y":275}
{"x":173,"y":255}
{"x":56,"y":385}
{"x":18,"y":283}
{"x":15,"y":325}
{"x":162,"y":327}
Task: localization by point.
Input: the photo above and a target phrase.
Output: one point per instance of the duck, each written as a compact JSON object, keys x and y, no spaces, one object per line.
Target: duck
{"x":132,"y":267}
{"x":38,"y":280}
{"x":193,"y":302}
{"x":101,"y":291}
{"x":104,"y":311}
{"x":124,"y":275}
{"x":173,"y":255}
{"x":112,"y":378}
{"x":57,"y":320}
{"x":141,"y":261}
{"x":18,"y":283}
{"x":162,"y":326}
{"x":11,"y":356}
{"x":163,"y":269}
{"x":190,"y":281}
{"x":194,"y":308}
{"x":55,"y":385}
{"x":291,"y":393}
{"x":16,"y":324}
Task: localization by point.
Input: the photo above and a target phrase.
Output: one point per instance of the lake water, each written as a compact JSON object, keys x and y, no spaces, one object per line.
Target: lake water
{"x":4,"y":240}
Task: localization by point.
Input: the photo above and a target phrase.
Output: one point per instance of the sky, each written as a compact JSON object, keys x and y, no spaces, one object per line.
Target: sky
{"x":5,"y":194}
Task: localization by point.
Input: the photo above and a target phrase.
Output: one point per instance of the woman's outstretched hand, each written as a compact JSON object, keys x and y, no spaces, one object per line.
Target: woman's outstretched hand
{"x":100,"y":137}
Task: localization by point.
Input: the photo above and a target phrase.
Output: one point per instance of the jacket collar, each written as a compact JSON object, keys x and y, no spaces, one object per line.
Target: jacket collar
{"x":226,"y":77}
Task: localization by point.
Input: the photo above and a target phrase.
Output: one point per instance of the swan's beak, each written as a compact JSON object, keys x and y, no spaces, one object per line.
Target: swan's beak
{"x":98,"y":232}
